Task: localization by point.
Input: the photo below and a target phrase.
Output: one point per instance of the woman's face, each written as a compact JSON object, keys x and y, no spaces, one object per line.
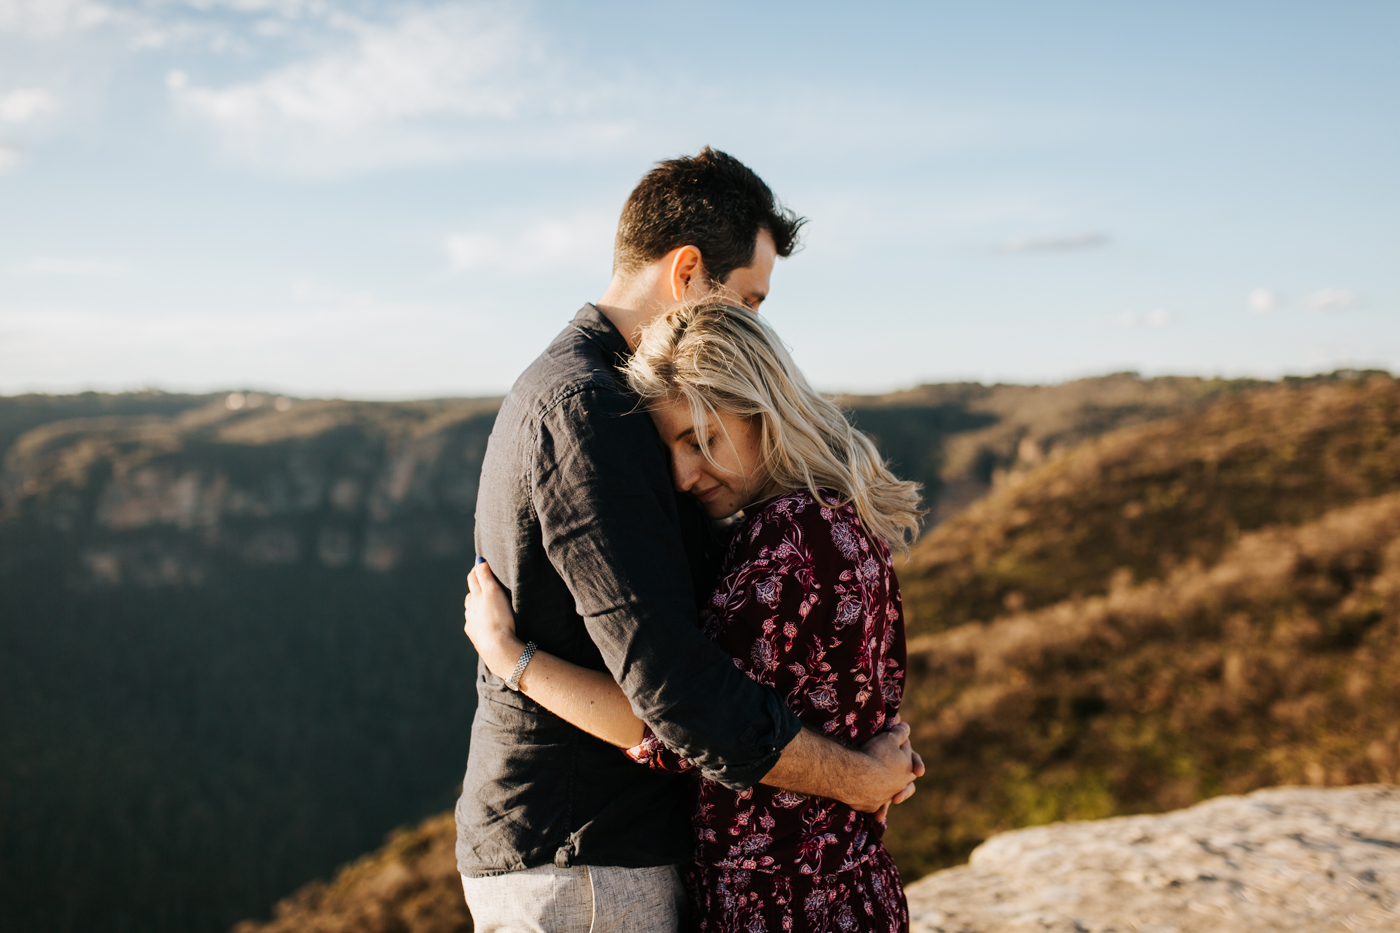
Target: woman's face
{"x":735,"y":479}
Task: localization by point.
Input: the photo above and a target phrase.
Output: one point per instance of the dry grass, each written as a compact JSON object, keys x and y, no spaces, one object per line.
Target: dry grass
{"x":1276,"y":665}
{"x":1144,"y":500}
{"x":409,"y":886}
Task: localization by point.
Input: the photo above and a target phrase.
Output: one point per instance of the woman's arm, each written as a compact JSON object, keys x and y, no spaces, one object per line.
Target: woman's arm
{"x":588,"y":699}
{"x":592,"y":701}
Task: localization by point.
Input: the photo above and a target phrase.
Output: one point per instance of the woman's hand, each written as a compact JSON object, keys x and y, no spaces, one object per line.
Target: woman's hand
{"x":490,"y":623}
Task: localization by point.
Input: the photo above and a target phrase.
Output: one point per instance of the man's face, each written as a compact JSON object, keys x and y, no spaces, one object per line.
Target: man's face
{"x":749,"y":285}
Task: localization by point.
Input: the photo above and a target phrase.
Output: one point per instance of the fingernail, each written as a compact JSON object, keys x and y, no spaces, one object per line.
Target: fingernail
{"x":481,"y":560}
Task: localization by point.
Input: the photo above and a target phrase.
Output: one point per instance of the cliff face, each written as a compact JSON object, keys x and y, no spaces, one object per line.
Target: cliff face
{"x":230,"y":649}
{"x":163,"y":501}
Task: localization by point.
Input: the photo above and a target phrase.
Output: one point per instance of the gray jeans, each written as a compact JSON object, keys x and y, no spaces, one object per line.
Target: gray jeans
{"x":582,"y":899}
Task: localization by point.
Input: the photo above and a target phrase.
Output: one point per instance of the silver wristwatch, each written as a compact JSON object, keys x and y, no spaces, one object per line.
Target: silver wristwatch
{"x":525,"y":656}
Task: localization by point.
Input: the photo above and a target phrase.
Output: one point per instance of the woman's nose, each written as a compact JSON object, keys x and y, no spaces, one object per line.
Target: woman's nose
{"x":683,"y":474}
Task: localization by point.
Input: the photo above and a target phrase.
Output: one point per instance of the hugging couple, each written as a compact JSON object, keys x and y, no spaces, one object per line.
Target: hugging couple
{"x":692,"y":663}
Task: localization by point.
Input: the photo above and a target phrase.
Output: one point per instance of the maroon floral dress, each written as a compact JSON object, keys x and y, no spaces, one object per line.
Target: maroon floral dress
{"x":808,"y":604}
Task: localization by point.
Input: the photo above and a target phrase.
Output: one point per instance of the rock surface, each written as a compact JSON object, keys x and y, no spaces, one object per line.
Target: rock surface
{"x":1309,"y":860}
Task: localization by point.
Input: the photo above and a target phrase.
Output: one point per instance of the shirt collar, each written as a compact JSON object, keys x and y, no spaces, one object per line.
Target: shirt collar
{"x":594,"y":324}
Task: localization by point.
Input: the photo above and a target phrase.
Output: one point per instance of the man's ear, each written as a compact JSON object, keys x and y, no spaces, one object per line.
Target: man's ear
{"x":687,"y":275}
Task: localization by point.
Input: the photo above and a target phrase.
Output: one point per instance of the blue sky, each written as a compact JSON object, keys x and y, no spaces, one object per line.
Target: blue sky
{"x":390,"y":200}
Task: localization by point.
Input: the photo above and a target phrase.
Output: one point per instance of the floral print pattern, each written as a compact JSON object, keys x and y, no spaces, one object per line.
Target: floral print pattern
{"x":808,"y":604}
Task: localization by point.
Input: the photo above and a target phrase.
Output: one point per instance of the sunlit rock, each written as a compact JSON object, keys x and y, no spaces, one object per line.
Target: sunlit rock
{"x":1284,"y":860}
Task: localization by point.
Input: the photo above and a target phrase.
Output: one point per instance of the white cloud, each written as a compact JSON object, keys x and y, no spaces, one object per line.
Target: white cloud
{"x":1053,"y":244}
{"x":1152,"y":320}
{"x":583,"y":241}
{"x":309,"y":291}
{"x":428,"y":86}
{"x":285,"y":8}
{"x":76,"y":267}
{"x":1262,"y":301}
{"x":43,"y":18}
{"x":24,"y":104}
{"x":354,"y":347}
{"x":9,"y":157}
{"x":1332,"y":299}
{"x":473,"y":250}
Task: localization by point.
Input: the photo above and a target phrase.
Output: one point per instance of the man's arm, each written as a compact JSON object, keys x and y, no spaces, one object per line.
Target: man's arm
{"x":601,"y":489}
{"x":879,"y":772}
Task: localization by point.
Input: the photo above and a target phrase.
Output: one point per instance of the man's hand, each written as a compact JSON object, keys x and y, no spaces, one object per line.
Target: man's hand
{"x":898,"y":765}
{"x":865,"y":779}
{"x":917,"y":767}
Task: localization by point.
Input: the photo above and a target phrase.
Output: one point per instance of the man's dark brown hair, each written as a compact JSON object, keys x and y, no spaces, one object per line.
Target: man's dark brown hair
{"x":711,"y":201}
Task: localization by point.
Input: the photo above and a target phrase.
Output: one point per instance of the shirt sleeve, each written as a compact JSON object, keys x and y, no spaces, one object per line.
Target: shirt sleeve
{"x":601,"y":489}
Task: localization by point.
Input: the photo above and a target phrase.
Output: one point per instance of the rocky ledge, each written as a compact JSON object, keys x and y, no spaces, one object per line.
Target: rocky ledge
{"x":1283,"y":860}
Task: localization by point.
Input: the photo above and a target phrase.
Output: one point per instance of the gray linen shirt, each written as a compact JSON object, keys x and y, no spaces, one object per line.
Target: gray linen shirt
{"x":577,"y":514}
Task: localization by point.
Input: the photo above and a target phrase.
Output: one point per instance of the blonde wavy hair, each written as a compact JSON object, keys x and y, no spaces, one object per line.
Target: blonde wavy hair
{"x":721,"y":358}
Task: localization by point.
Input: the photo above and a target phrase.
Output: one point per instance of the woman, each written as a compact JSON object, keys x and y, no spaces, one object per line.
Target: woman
{"x":806,"y":602}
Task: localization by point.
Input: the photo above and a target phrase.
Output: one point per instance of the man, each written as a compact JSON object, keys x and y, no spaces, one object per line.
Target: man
{"x":557,"y":830}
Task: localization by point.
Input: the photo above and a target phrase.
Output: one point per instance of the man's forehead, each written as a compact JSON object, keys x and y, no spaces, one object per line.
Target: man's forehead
{"x":751,"y":283}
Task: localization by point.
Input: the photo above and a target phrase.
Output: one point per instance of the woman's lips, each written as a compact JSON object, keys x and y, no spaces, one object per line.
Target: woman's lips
{"x":708,"y":494}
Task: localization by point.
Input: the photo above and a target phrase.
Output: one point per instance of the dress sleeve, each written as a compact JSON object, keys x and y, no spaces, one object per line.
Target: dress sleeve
{"x":608,"y":517}
{"x":811,"y":615}
{"x":653,"y":753}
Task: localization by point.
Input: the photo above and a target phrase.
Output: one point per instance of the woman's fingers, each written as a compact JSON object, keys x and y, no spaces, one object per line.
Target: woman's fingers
{"x":485,"y":576}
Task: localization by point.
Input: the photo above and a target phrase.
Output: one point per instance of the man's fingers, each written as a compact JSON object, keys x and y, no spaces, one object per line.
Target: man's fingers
{"x":883,"y":814}
{"x":905,"y":794}
{"x":918,"y":768}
